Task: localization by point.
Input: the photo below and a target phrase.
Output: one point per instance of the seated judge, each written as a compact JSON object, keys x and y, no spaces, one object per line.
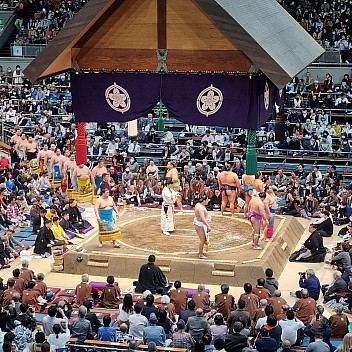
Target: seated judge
{"x":313,"y":250}
{"x":151,"y":278}
{"x":45,"y":240}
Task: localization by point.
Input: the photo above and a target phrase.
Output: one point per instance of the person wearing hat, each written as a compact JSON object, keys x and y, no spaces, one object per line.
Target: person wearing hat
{"x":153,"y":332}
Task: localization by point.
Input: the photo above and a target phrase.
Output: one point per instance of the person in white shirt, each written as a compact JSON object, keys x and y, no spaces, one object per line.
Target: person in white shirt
{"x":134,"y":149}
{"x":43,"y":119}
{"x":152,"y":168}
{"x":10,"y":115}
{"x":112,"y":146}
{"x":342,"y":101}
{"x":208,"y":138}
{"x":290,"y":326}
{"x":220,"y":138}
{"x":137,"y":322}
{"x":167,"y":136}
{"x":58,"y":339}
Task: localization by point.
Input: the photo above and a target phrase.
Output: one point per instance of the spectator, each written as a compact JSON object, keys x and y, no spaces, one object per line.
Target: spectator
{"x":265,"y":343}
{"x":290,"y":328}
{"x":189,"y":312}
{"x":149,"y":306}
{"x":123,"y":336}
{"x":251,"y":300}
{"x":81,"y":328}
{"x":321,"y":335}
{"x":58,"y":338}
{"x":234,"y":341}
{"x":311,"y":283}
{"x":197,"y":325}
{"x":338,"y":285}
{"x":137,"y":322}
{"x":107,"y":332}
{"x":339,"y":323}
{"x":51,"y":320}
{"x":153,"y":332}
{"x":182,"y":339}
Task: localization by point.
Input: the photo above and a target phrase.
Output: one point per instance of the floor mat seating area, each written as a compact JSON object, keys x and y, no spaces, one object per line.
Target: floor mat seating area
{"x":25,"y":236}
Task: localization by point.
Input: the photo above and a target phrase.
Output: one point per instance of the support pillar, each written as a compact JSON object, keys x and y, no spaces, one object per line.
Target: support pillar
{"x":161,"y":123}
{"x":251,"y":153}
{"x":81,"y":144}
{"x":280,"y":128}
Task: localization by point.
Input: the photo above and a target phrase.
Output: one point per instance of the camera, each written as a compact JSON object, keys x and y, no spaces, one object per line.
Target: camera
{"x":302,"y":274}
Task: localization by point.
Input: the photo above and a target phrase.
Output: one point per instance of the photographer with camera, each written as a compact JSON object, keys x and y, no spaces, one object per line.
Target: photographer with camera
{"x":309,"y":281}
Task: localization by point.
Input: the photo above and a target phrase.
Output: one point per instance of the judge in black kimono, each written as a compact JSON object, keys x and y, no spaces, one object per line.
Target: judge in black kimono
{"x":76,"y":218}
{"x":151,"y":278}
{"x":45,"y":240}
{"x":313,"y":250}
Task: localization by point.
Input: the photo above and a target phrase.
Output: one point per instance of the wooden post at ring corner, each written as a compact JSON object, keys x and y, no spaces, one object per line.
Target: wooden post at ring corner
{"x":81,"y":144}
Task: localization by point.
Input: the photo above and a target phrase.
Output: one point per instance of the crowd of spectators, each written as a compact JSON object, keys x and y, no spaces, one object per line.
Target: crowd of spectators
{"x":260,"y":319}
{"x":328,"y":21}
{"x":49,"y":18}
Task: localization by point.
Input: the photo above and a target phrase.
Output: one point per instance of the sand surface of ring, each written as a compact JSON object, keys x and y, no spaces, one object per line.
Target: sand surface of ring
{"x":226,"y":232}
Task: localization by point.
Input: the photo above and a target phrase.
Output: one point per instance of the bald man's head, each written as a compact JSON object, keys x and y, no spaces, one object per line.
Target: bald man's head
{"x":277,"y":293}
{"x":199,"y":312}
{"x":305,"y":293}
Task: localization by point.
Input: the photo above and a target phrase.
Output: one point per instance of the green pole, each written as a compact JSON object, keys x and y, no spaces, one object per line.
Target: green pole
{"x":251,"y":153}
{"x":160,"y":119}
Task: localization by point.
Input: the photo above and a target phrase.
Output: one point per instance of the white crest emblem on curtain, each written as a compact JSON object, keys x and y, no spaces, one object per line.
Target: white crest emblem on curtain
{"x":118,"y":98}
{"x":209,"y":100}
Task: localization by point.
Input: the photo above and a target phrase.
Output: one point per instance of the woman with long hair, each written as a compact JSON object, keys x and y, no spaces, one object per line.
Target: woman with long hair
{"x":346,"y":344}
{"x":126,"y":308}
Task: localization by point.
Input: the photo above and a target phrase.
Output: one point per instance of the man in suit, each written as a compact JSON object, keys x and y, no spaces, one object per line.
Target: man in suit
{"x":4,"y":259}
{"x":57,"y":206}
{"x":4,"y":221}
{"x":38,"y":221}
{"x":326,"y":225}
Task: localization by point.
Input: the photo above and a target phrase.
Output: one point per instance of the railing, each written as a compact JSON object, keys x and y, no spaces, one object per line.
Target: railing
{"x":27,"y":50}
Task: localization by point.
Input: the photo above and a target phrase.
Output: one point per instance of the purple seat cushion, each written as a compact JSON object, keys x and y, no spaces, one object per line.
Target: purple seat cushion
{"x":99,"y":285}
{"x":193,"y":290}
